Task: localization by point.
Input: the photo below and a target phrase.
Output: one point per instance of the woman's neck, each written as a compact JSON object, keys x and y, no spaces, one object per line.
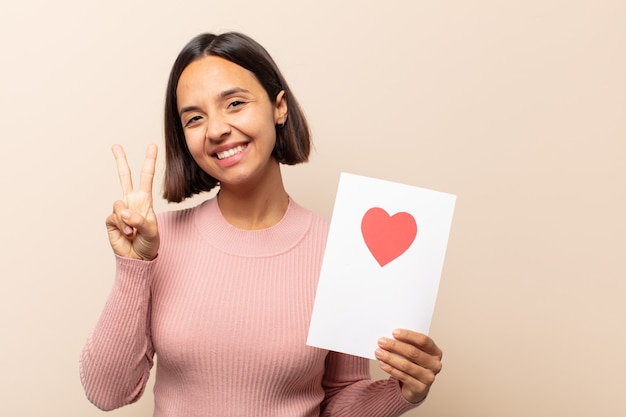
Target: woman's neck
{"x":254,"y":206}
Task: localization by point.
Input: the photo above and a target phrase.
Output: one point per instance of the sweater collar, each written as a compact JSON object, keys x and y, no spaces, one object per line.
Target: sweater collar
{"x":280,"y":238}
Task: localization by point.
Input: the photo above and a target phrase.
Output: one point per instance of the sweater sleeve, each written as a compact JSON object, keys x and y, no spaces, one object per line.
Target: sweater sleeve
{"x":116,"y":360}
{"x":351,"y":393}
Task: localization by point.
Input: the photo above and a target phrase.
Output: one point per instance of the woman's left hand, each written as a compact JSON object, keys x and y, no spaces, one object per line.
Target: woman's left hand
{"x":413,"y":359}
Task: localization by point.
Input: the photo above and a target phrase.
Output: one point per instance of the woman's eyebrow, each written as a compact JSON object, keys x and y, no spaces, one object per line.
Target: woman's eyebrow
{"x":188,"y":109}
{"x":234,"y":90}
{"x":222,"y":95}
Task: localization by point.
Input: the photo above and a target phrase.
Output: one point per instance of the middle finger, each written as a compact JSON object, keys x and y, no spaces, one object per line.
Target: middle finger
{"x":123,"y":169}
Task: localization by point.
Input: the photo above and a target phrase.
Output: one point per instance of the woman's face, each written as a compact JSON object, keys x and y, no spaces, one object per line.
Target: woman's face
{"x":229,"y":120}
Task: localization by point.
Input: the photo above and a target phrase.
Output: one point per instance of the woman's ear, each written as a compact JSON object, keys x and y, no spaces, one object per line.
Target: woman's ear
{"x":280,"y":108}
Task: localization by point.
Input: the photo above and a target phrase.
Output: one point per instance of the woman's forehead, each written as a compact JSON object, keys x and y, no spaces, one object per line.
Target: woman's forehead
{"x":217,"y":74}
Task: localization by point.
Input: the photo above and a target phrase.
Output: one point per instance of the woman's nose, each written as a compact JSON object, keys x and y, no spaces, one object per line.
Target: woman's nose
{"x":217,"y":128}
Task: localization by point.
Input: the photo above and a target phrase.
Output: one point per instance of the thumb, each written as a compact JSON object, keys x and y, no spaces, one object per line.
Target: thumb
{"x":138,"y":222}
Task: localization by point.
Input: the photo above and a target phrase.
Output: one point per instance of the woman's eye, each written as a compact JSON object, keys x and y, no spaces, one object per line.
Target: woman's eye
{"x":235,"y":103}
{"x":192,"y":120}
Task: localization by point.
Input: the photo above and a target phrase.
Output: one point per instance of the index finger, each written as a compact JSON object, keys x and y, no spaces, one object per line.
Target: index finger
{"x":420,"y":340}
{"x":123,"y":170}
{"x":147,"y":171}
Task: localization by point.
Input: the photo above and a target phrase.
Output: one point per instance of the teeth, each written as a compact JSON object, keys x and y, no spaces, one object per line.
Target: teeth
{"x":230,"y":152}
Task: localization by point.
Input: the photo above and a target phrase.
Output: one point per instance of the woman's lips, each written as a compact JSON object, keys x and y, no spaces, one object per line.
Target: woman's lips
{"x":231,"y":155}
{"x":230,"y":152}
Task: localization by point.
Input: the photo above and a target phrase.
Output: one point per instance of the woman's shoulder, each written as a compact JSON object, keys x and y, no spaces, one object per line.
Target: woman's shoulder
{"x":179,"y":216}
{"x":308,"y":215}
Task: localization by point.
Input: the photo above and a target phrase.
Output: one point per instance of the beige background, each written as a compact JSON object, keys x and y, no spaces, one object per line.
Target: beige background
{"x":517,"y":107}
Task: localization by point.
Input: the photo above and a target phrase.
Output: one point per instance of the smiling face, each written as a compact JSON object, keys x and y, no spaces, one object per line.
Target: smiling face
{"x":229,"y":121}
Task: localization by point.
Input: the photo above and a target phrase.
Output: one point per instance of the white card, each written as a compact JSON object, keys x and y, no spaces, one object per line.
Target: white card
{"x":382,"y":264}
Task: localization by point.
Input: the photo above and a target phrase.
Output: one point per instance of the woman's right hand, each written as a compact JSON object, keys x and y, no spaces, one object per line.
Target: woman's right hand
{"x":132,"y":227}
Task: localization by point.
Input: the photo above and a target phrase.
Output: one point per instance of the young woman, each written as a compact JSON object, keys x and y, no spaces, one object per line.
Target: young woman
{"x":222,"y":293}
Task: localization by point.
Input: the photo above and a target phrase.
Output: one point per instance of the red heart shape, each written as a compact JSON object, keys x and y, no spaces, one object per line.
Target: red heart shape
{"x":387,"y":237}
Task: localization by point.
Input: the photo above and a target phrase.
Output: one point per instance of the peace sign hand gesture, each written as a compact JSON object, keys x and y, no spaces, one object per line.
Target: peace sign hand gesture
{"x":132,"y":227}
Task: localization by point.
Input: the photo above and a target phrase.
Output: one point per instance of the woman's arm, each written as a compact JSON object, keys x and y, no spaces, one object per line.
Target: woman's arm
{"x":350,"y":392}
{"x":116,"y":360}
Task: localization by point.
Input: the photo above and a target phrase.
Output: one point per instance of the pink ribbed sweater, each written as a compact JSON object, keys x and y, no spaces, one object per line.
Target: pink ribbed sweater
{"x":227,"y":313}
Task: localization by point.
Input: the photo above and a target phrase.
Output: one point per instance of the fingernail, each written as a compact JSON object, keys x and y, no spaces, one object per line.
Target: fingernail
{"x":379,"y":353}
{"x":128,"y":230}
{"x":126,"y":214}
{"x":382,"y":341}
{"x":396,"y":332}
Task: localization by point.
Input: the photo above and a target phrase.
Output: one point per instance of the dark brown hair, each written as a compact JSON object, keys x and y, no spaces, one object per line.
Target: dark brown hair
{"x":183,"y":177}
